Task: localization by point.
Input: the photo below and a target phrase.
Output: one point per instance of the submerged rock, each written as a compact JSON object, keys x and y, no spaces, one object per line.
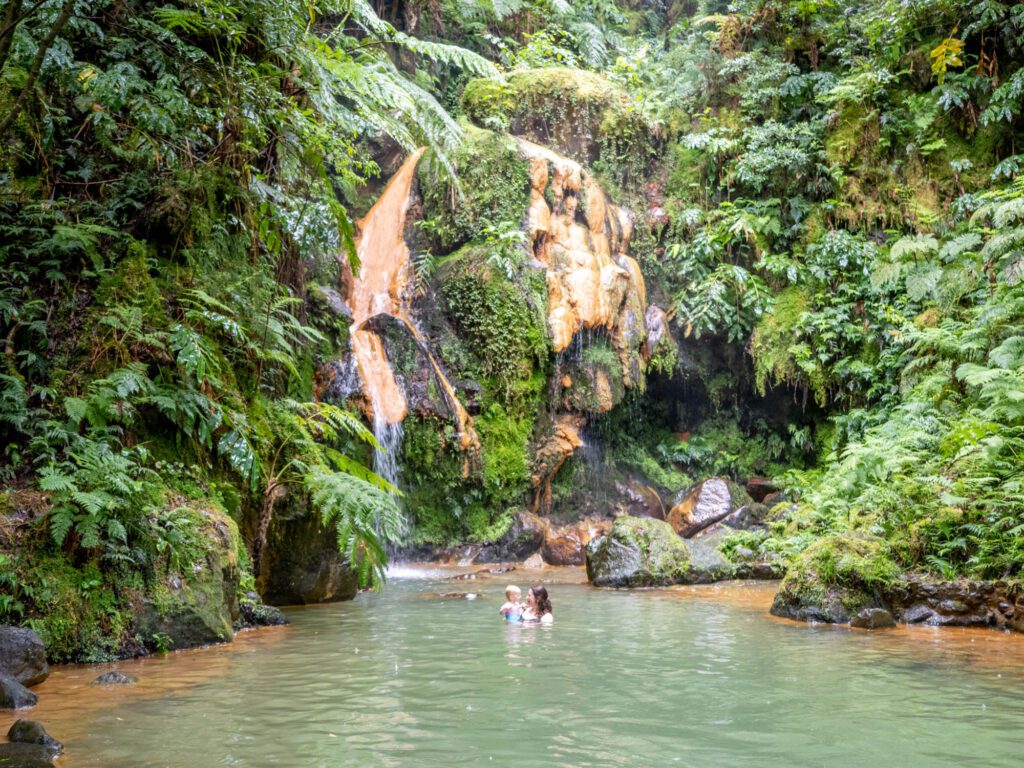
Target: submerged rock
{"x":709,"y":502}
{"x":26,"y":756}
{"x":32,"y":732}
{"x":873,"y":618}
{"x":14,"y":695}
{"x":22,"y":656}
{"x":638,"y":552}
{"x":115,"y":678}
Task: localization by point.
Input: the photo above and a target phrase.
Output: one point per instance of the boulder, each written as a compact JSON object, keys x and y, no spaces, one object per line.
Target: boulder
{"x":115,"y":678}
{"x":638,"y":552}
{"x":523,"y":538}
{"x":301,"y":564}
{"x":14,"y":695}
{"x":32,"y":732}
{"x":22,"y":655}
{"x":198,"y":606}
{"x":707,"y":503}
{"x":534,"y":562}
{"x":262,"y":615}
{"x":873,"y":618}
{"x":640,"y":499}
{"x":835,"y":578}
{"x":26,"y":756}
{"x":707,"y":563}
{"x":564,"y":549}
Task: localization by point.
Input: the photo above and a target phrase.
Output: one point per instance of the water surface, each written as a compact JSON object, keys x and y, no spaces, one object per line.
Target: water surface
{"x":697,"y":676}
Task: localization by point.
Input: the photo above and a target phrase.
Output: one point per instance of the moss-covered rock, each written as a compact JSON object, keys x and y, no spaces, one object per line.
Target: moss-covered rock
{"x":579,"y":113}
{"x":836,"y":577}
{"x":638,"y":552}
{"x":196,"y":604}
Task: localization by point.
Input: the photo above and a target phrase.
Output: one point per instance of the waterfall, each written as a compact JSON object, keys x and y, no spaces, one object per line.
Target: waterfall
{"x":381,"y":288}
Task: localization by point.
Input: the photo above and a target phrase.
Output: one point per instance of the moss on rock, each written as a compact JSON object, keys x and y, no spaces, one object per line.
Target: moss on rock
{"x":579,"y":113}
{"x":836,"y":577}
{"x":638,"y":552}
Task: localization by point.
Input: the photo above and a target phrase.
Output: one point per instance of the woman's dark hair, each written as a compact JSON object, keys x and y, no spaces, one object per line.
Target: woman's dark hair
{"x":543,"y":601}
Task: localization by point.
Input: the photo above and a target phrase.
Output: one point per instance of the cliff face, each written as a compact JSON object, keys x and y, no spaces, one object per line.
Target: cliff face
{"x":503,"y":315}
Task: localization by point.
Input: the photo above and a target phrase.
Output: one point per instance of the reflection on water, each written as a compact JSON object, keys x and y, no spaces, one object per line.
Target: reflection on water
{"x":696,"y":676}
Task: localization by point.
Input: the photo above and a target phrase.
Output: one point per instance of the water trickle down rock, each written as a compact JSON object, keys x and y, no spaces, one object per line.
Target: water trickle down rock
{"x":381,"y":288}
{"x":592,"y":282}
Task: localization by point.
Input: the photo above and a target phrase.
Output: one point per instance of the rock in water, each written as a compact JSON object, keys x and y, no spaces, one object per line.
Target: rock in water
{"x":14,"y":695}
{"x":836,"y":577}
{"x":873,"y":618}
{"x":566,"y":549}
{"x":22,"y":656}
{"x":32,"y":732}
{"x":638,"y":552}
{"x":257,"y":614}
{"x":26,"y":756}
{"x":115,"y":678}
{"x":709,"y":502}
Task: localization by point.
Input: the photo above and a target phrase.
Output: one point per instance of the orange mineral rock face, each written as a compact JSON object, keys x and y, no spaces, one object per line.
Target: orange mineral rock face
{"x":582,"y":240}
{"x":382,"y":287}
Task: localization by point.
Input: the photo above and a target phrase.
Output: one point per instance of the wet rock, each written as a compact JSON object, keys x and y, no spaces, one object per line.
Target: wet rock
{"x":565,"y":549}
{"x":918,"y":599}
{"x":26,"y":756}
{"x":638,"y":552}
{"x":551,"y":453}
{"x":301,"y":564}
{"x":14,"y":695}
{"x":759,"y":488}
{"x":115,"y":678}
{"x":746,"y":517}
{"x":199,"y":605}
{"x":22,"y":655}
{"x":257,"y":614}
{"x":706,"y":504}
{"x":640,"y":499}
{"x":32,"y":732}
{"x":534,"y":562}
{"x":525,"y":537}
{"x":707,"y":563}
{"x":836,"y":577}
{"x":873,"y":618}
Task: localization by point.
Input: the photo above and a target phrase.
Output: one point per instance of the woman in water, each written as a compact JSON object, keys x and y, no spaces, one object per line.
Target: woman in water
{"x":538,"y":607}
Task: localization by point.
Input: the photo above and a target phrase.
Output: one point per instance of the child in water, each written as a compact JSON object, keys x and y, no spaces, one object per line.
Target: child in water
{"x":512,"y":610}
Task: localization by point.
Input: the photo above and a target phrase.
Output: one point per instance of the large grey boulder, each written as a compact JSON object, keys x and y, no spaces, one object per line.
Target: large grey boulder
{"x":22,"y":655}
{"x":638,"y":552}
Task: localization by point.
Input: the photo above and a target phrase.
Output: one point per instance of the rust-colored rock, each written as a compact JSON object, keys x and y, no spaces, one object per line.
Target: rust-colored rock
{"x":552,"y":453}
{"x":709,"y":502}
{"x":591,"y":281}
{"x":566,"y":549}
{"x":382,"y":288}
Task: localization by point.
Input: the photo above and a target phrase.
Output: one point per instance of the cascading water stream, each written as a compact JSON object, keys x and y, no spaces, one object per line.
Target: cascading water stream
{"x":381,"y":288}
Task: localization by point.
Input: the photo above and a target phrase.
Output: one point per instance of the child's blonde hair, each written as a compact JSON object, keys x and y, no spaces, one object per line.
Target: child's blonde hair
{"x":512,"y":589}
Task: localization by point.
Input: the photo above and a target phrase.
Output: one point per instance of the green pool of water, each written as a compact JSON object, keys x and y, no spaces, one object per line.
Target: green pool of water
{"x":650,"y":678}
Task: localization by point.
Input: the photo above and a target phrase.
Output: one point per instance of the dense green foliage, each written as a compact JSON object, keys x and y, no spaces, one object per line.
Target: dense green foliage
{"x":830,"y":210}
